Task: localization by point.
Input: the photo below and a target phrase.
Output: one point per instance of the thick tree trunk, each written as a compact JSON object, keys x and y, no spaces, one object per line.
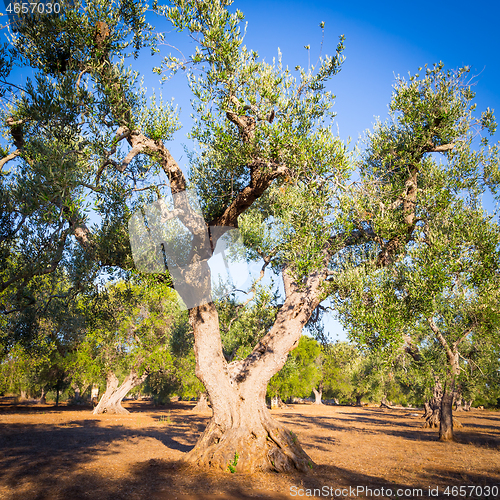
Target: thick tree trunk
{"x":42,"y":400}
{"x":427,"y":410}
{"x":111,"y":400}
{"x":459,"y":404}
{"x":202,"y":404}
{"x":433,"y":407}
{"x":277,"y":403}
{"x":247,"y":438}
{"x":23,"y":395}
{"x":467,"y":405}
{"x":359,"y":397}
{"x":317,"y":395}
{"x":77,"y":398}
{"x":448,"y":395}
{"x":242,"y":435}
{"x":446,"y":421}
{"x":385,"y":404}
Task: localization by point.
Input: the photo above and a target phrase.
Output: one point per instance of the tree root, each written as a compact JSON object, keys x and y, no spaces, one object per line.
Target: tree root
{"x":242,"y":449}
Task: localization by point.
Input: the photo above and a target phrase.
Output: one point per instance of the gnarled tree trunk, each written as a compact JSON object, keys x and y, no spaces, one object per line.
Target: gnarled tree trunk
{"x":359,"y":397}
{"x":446,"y":421}
{"x":242,"y":433}
{"x":111,"y":400}
{"x":433,"y":407}
{"x":277,"y":402}
{"x":202,"y":404}
{"x":42,"y":399}
{"x":384,"y":403}
{"x":317,"y":395}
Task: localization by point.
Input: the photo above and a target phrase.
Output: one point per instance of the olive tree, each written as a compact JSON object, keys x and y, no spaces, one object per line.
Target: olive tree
{"x":269,"y":165}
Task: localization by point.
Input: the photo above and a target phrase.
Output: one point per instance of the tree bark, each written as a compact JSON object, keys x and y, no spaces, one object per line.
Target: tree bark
{"x":446,"y":421}
{"x":242,"y":429}
{"x":111,"y":400}
{"x":317,"y":395}
{"x":42,"y":400}
{"x":446,"y":407}
{"x":467,"y":405}
{"x":277,"y":402}
{"x":384,"y":404}
{"x":202,"y":404}
{"x":358,"y":399}
{"x":433,"y":407}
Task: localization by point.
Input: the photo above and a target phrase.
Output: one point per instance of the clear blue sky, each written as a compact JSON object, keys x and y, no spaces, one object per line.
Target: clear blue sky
{"x":383,"y":40}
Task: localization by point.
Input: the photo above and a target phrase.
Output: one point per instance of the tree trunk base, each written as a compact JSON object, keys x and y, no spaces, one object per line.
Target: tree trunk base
{"x":432,"y":421}
{"x":113,"y":410}
{"x":202,"y":404}
{"x":243,"y":449}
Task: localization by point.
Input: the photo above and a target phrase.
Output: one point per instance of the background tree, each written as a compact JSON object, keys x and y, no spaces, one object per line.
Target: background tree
{"x":299,"y":374}
{"x":129,"y":330}
{"x":443,"y":297}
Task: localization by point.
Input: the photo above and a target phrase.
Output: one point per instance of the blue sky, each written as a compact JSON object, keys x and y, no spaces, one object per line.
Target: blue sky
{"x":383,"y":40}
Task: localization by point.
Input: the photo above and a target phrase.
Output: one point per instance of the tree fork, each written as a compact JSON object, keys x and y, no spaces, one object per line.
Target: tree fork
{"x":241,"y":425}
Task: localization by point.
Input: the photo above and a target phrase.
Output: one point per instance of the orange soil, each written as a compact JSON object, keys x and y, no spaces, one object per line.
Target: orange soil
{"x":69,"y":454}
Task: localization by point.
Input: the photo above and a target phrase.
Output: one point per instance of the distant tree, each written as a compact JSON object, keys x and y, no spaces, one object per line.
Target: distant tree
{"x":129,"y":330}
{"x":443,"y":297}
{"x":300,"y":373}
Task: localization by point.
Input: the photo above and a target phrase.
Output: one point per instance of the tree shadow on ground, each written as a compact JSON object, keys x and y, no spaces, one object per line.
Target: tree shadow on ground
{"x":412,"y":430}
{"x":32,"y":450}
{"x":56,"y":461}
{"x":165,"y":480}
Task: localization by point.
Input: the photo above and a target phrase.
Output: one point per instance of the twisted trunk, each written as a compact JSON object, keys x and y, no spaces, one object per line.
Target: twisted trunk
{"x":242,"y":435}
{"x":446,"y":422}
{"x":448,"y":395}
{"x":202,"y":404}
{"x":433,"y":407}
{"x":42,"y":399}
{"x":111,"y":400}
{"x":318,"y":393}
{"x":277,"y":402}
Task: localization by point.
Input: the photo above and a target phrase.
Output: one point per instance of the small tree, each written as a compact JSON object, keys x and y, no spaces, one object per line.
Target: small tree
{"x":129,"y":331}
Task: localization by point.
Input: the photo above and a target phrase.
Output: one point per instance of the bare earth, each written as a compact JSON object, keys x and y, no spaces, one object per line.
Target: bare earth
{"x":70,"y":454}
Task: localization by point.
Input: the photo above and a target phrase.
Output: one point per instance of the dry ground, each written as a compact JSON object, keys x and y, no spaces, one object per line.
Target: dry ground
{"x":70,"y":454}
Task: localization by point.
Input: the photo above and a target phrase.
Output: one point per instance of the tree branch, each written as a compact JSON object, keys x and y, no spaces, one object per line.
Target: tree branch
{"x":8,"y":158}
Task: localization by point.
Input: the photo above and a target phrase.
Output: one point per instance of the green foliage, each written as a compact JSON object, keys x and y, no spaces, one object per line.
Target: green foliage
{"x":232,"y":465}
{"x":129,"y":326}
{"x":349,"y":374}
{"x":446,"y":281}
{"x":300,"y":373}
{"x":242,"y":326}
